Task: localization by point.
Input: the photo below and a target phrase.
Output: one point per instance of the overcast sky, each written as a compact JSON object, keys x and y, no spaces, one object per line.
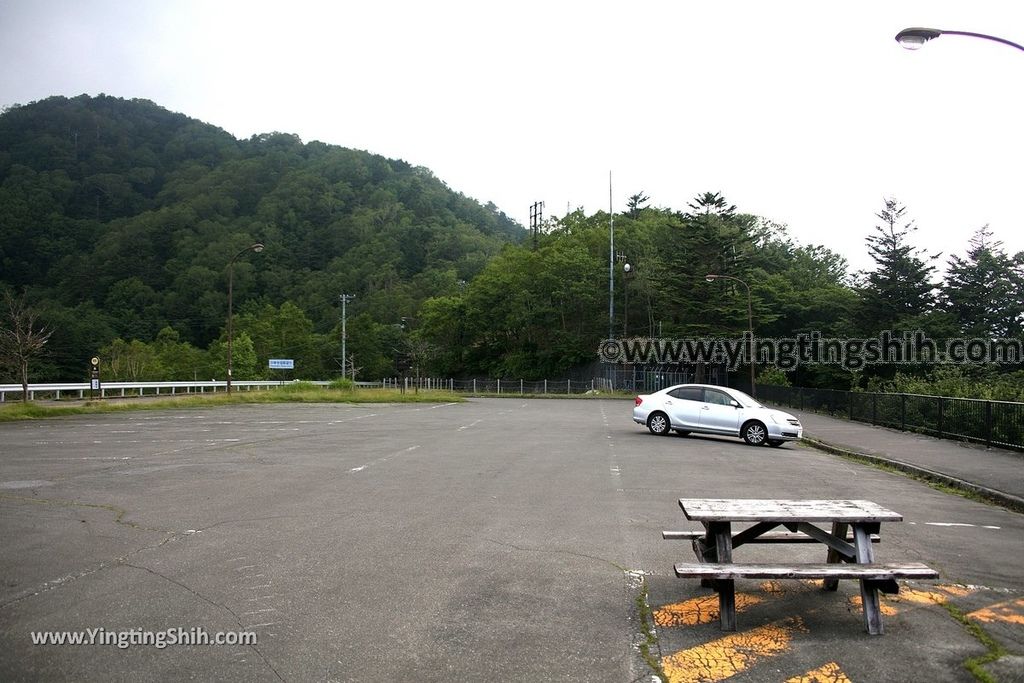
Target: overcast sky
{"x":806,"y":113}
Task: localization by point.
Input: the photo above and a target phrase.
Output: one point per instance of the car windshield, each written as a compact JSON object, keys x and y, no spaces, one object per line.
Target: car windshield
{"x":745,"y":401}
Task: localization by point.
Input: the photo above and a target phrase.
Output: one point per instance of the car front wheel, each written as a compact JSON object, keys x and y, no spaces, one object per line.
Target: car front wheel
{"x":658,"y":424}
{"x":754,"y":433}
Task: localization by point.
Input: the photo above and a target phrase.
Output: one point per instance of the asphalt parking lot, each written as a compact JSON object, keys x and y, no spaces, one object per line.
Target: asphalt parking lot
{"x":498,"y":539}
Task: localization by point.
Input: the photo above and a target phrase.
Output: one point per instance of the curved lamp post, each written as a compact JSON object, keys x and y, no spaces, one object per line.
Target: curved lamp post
{"x":914,"y":38}
{"x":710,"y":277}
{"x":257,"y":247}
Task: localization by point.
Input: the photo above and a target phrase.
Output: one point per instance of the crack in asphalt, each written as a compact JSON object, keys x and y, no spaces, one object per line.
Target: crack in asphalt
{"x":118,"y":511}
{"x":210,"y":601}
{"x":583,"y":556}
{"x":60,"y":582}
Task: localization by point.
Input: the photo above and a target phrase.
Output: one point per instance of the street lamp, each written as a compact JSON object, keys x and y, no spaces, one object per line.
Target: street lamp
{"x":750,"y":324}
{"x":345,"y":298}
{"x":914,"y":38}
{"x":257,"y":247}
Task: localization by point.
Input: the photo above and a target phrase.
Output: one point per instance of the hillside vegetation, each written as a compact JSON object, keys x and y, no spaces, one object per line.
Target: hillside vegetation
{"x":118,"y":220}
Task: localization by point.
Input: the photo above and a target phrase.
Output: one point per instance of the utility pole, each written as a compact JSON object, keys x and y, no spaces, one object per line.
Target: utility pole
{"x":611,"y":260}
{"x":345,"y":298}
{"x":536,"y":218}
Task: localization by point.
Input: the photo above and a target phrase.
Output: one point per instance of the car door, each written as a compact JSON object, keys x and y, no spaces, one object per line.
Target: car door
{"x":718,"y":414}
{"x":683,"y":406}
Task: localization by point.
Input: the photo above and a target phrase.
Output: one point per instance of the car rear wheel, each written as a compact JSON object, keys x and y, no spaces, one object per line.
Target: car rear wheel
{"x":754,"y":433}
{"x":658,"y":424}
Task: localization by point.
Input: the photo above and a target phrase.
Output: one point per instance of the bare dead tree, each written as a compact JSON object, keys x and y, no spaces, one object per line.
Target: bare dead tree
{"x":22,"y":338}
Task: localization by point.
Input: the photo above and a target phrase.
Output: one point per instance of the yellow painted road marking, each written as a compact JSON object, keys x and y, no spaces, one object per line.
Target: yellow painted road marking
{"x":886,"y":609}
{"x":728,"y":656}
{"x":1011,"y":612}
{"x":830,"y":673}
{"x":919,"y":597}
{"x":702,"y":610}
{"x":958,"y":591}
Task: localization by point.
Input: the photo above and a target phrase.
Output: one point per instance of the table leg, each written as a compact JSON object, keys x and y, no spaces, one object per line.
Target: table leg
{"x":868,"y":589}
{"x":839,"y":529}
{"x":704,"y":549}
{"x":722,"y":532}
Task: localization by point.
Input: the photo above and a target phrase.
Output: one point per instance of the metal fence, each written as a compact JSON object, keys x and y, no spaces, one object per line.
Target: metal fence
{"x":630,"y":380}
{"x":501,"y":386}
{"x":82,"y":390}
{"x":992,"y":423}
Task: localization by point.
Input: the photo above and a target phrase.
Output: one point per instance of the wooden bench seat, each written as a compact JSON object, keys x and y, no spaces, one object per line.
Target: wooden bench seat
{"x":873,"y":577}
{"x":875,"y":572}
{"x":770,"y":537}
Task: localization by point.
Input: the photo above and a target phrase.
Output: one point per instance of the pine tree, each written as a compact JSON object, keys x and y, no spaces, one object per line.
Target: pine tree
{"x":899,"y":290}
{"x":983,"y":292}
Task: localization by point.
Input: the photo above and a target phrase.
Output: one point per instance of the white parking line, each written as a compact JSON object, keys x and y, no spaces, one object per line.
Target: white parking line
{"x":380,"y":460}
{"x":960,"y":524}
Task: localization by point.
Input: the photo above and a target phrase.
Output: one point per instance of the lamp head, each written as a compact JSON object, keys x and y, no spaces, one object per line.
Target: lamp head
{"x":258,"y":247}
{"x":914,"y":38}
{"x":710,"y":278}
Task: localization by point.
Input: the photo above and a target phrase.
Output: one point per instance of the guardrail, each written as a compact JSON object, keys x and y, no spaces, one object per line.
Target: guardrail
{"x":992,"y":423}
{"x":501,"y":386}
{"x":81,"y":390}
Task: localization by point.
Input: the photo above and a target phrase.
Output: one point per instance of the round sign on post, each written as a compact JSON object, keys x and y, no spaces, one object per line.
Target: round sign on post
{"x":94,"y":376}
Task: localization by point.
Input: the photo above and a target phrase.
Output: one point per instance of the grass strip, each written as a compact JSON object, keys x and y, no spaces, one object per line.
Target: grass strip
{"x":976,"y":665}
{"x":649,"y":644}
{"x":298,"y":392}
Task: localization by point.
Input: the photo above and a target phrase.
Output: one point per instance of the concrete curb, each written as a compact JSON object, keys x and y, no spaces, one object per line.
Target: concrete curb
{"x":1009,"y":501}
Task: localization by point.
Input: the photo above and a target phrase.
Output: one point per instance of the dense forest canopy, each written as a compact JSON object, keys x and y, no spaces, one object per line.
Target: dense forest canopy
{"x":118,"y":221}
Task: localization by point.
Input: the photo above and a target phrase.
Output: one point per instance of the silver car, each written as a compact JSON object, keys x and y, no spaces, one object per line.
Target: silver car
{"x":706,"y":409}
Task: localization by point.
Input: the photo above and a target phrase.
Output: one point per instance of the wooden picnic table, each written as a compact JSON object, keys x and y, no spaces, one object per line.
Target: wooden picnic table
{"x":849,"y":556}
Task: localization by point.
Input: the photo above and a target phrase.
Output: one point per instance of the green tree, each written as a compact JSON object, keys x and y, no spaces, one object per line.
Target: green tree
{"x":984,"y":292}
{"x":180,"y":360}
{"x":132,"y":361}
{"x":282,"y":332}
{"x":899,"y":292}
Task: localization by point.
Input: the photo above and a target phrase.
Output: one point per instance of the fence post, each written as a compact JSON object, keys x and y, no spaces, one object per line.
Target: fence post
{"x":545,"y":386}
{"x":568,"y":387}
{"x":903,"y":412}
{"x":474,"y":385}
{"x":520,"y":386}
{"x":851,"y":397}
{"x":874,"y":409}
{"x":941,"y":406}
{"x":988,"y":424}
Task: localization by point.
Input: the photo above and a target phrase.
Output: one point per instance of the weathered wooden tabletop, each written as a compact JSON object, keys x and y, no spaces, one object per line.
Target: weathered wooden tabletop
{"x":783,"y":510}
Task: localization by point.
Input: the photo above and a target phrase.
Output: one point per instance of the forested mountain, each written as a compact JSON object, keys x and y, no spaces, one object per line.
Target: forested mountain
{"x":119,"y":218}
